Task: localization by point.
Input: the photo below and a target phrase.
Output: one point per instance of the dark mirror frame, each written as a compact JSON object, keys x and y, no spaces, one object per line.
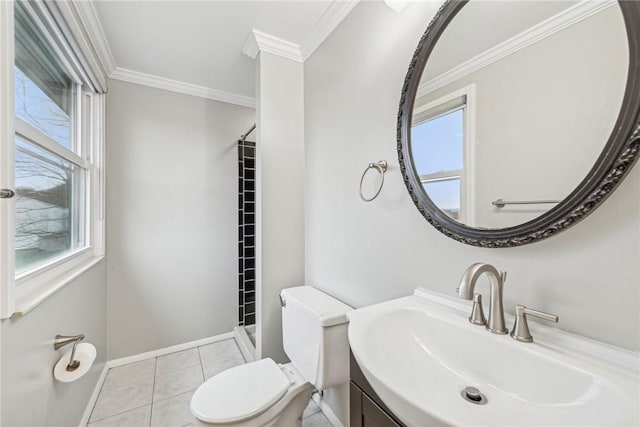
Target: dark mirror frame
{"x":616,"y":160}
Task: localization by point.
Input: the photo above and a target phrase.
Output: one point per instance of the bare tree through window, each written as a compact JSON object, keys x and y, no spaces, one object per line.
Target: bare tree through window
{"x":43,"y":180}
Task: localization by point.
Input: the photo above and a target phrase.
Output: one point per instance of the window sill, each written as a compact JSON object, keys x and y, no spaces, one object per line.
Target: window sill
{"x":42,"y":286}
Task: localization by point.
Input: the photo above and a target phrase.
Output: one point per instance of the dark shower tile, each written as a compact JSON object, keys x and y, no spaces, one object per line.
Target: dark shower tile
{"x":250,"y":319}
{"x":250,"y":308}
{"x":249,"y":296}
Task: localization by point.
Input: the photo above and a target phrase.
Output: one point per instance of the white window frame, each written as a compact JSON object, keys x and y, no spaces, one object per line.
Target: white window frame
{"x":467,"y":174}
{"x":19,"y":294}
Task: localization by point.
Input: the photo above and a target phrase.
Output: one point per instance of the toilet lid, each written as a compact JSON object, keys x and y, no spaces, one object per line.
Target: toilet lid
{"x":240,"y":392}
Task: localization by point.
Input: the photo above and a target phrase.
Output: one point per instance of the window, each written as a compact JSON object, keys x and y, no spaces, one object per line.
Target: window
{"x":53,"y":159}
{"x":50,"y":174}
{"x":441,"y":149}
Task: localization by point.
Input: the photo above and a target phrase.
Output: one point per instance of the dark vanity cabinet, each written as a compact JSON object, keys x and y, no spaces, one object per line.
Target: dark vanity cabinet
{"x":366,"y":408}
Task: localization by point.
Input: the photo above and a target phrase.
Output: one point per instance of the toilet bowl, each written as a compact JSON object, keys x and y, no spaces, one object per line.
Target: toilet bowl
{"x":265,"y":394}
{"x":260,"y":393}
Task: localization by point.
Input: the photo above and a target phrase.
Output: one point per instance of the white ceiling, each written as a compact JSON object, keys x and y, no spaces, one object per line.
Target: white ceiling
{"x":200,"y":42}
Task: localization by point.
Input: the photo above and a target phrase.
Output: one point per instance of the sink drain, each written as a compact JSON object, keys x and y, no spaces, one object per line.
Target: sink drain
{"x":473,"y":395}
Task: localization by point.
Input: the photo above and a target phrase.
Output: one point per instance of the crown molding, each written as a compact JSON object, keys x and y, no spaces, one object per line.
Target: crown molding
{"x":100,"y":45}
{"x":250,"y":47}
{"x":150,"y":80}
{"x":334,"y":15}
{"x":93,"y":28}
{"x":546,"y":28}
{"x":259,"y":41}
{"x":256,"y":42}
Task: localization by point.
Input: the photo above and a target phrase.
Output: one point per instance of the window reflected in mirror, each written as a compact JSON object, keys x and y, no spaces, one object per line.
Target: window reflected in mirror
{"x":439,"y":141}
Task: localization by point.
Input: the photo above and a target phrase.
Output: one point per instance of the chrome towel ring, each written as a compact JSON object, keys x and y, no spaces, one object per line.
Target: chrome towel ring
{"x":381,"y":167}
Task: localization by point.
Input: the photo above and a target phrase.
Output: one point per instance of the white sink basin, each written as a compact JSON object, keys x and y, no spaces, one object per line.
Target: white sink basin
{"x":420,"y":352}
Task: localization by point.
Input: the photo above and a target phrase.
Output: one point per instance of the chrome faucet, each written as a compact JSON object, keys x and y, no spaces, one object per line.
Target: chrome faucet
{"x":495,"y":322}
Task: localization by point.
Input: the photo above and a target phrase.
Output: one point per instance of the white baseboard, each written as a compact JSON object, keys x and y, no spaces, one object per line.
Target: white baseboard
{"x":246,"y":346}
{"x":326,"y":410}
{"x":168,"y":350}
{"x":94,"y":396}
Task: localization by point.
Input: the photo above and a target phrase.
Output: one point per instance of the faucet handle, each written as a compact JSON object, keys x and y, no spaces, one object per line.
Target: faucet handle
{"x":520,"y":330}
{"x":477,"y":315}
{"x":503,"y":276}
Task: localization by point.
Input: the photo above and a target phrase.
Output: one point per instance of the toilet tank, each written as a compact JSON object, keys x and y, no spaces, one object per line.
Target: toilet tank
{"x":314,"y":334}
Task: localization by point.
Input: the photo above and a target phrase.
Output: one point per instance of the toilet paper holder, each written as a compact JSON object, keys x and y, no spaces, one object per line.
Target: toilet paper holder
{"x":61,"y":341}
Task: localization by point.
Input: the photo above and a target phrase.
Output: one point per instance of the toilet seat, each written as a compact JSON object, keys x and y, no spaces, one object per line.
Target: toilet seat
{"x":239,"y":393}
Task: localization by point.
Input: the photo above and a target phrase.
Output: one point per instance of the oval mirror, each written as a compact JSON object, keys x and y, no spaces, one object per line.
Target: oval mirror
{"x":518,"y":118}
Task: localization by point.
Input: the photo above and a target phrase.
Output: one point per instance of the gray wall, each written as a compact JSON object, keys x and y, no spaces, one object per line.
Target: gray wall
{"x":365,"y":253}
{"x":171,"y":217}
{"x":30,"y":394}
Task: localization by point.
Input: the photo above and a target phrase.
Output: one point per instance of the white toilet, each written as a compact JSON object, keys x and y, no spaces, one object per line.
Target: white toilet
{"x":263,"y":393}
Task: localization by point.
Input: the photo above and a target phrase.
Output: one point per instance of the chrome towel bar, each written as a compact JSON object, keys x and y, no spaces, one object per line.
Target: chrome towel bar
{"x":501,"y":203}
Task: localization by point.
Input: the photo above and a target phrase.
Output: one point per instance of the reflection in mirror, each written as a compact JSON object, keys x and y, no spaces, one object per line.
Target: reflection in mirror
{"x":516,"y":102}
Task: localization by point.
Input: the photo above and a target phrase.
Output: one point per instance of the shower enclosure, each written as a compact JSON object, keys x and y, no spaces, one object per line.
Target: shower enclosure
{"x":247,"y":234}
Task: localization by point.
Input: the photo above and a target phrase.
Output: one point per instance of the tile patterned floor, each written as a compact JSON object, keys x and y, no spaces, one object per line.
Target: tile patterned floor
{"x":156,"y":392}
